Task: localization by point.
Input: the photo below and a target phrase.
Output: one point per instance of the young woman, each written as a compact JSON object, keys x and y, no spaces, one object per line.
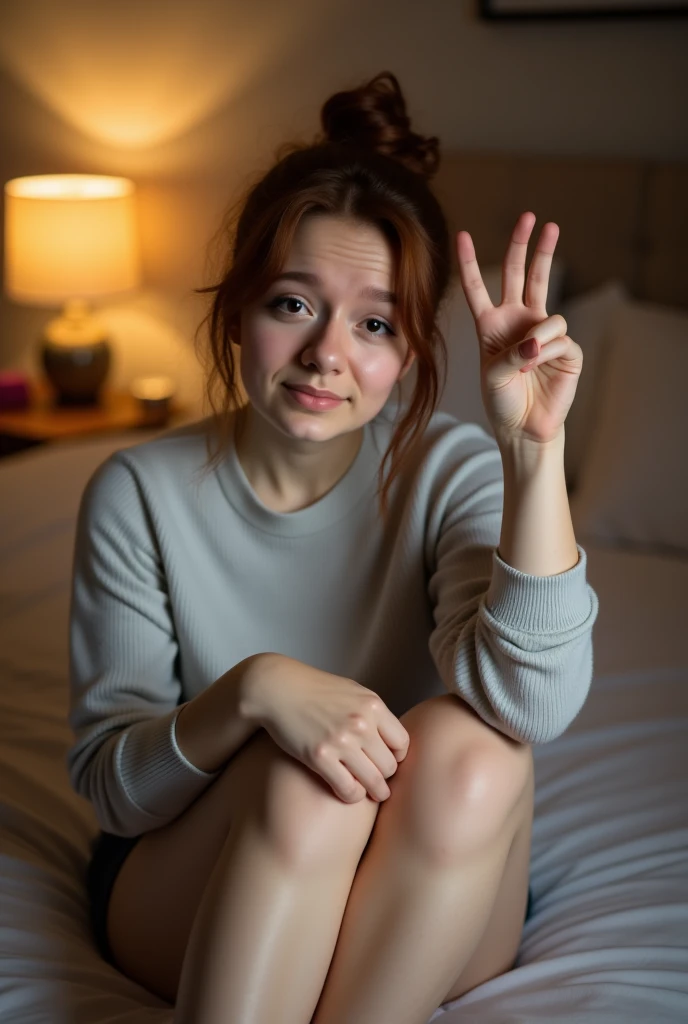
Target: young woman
{"x":303,"y":693}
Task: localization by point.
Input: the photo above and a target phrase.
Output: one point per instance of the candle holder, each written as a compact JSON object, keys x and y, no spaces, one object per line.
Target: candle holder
{"x":154,"y":396}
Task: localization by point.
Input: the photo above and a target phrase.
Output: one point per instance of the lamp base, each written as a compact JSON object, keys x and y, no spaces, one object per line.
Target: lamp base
{"x":63,"y":401}
{"x":76,"y":372}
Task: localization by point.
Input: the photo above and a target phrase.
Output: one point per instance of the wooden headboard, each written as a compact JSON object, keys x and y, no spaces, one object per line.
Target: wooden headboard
{"x":619,"y":218}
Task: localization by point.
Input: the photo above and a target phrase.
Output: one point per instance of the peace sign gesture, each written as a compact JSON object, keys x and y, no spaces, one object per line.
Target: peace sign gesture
{"x":526,"y":395}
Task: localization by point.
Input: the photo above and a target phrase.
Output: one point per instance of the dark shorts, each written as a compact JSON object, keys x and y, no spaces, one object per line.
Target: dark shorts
{"x":108,"y":855}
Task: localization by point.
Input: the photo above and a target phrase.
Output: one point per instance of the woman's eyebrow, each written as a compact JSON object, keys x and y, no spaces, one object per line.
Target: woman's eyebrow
{"x":377,"y":294}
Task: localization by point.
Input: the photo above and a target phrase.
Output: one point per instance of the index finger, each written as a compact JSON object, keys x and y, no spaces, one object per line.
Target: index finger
{"x":471,"y":279}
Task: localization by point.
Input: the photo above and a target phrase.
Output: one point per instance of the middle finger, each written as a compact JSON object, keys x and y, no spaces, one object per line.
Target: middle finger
{"x":540,"y":267}
{"x":514,"y":266}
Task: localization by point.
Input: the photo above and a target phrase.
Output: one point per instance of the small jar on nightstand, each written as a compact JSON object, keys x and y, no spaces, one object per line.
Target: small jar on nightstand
{"x":43,"y":421}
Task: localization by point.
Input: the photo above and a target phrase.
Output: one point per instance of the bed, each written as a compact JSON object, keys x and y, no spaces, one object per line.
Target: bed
{"x":608,"y":937}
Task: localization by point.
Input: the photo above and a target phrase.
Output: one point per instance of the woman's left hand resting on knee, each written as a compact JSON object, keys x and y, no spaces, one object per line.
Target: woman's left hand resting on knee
{"x":332,"y":724}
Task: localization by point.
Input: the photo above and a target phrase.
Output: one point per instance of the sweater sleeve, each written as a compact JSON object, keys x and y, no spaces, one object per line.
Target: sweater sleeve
{"x":124,"y":690}
{"x":516,"y":647}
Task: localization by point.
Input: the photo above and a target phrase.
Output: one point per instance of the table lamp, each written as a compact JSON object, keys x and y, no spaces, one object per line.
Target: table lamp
{"x":70,"y":238}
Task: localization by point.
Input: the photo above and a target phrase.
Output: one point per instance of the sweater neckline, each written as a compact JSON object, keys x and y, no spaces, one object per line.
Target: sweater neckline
{"x":359,"y":479}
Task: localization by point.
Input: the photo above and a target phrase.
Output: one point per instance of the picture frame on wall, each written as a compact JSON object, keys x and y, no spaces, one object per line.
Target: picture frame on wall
{"x":505,"y":9}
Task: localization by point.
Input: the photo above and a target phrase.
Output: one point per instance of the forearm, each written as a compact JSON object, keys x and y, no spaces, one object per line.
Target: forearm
{"x":537,"y":535}
{"x":213,"y":726}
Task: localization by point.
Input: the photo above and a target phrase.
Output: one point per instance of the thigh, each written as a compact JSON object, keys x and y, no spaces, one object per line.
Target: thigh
{"x":159,"y":888}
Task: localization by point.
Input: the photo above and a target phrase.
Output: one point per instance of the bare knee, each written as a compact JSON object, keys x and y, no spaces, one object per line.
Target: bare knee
{"x":466,"y":783}
{"x":305,"y":822}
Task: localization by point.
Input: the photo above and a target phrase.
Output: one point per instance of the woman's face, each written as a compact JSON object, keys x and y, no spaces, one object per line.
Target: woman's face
{"x":319,"y":328}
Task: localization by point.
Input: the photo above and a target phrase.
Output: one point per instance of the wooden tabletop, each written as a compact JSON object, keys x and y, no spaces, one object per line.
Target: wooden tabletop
{"x":44,"y":419}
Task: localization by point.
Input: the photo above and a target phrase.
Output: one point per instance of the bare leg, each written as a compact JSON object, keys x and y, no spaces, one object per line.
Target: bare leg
{"x":410,"y":925}
{"x":263,"y":938}
{"x":290,"y":917}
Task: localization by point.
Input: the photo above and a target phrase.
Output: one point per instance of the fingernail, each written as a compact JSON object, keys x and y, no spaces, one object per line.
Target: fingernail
{"x":528,"y":348}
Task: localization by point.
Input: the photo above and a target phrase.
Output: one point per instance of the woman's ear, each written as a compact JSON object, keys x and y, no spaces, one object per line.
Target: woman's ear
{"x":408,"y":363}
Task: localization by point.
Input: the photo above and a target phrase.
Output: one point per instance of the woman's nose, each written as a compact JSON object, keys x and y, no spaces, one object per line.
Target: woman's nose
{"x":328,"y":345}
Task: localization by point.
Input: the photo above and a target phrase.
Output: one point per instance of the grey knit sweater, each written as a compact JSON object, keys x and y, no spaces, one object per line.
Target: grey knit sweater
{"x":175,"y":581}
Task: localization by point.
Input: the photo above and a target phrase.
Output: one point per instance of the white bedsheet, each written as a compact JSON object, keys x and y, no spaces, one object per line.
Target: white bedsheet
{"x":608,"y":940}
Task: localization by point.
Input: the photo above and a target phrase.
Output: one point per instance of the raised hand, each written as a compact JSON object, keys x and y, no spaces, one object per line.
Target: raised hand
{"x":526,"y":394}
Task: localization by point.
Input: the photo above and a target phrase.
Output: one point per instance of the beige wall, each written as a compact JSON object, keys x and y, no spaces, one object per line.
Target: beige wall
{"x":189,"y":100}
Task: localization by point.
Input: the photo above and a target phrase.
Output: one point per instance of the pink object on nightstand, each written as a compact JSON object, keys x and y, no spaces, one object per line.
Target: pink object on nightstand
{"x":14,"y":390}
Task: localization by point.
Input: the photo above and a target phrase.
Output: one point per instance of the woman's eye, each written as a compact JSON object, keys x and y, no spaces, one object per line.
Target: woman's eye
{"x":281,"y":299}
{"x":276,"y":303}
{"x":374,"y":320}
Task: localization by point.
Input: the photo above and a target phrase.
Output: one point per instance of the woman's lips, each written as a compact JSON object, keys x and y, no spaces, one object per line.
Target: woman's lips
{"x":312,"y":401}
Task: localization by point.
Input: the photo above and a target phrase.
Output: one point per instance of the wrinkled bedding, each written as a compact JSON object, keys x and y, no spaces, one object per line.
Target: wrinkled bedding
{"x":608,"y":939}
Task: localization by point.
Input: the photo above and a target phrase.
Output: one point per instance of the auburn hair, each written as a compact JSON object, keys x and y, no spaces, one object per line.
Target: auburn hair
{"x":367,"y":165}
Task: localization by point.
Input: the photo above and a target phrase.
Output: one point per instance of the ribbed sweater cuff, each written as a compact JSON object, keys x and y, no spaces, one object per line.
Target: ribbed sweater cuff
{"x":539,"y":604}
{"x":158,"y":780}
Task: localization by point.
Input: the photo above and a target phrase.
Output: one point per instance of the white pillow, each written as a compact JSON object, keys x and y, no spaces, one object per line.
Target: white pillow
{"x":588,"y":317}
{"x":633,"y":486}
{"x":461,"y":397}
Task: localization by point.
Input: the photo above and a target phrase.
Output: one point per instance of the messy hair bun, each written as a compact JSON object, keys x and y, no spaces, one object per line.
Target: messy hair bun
{"x":374,"y":116}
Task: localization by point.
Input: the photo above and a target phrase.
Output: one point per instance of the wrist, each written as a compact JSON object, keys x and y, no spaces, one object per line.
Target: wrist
{"x":520,"y":455}
{"x":252,"y":697}
{"x":210,"y":728}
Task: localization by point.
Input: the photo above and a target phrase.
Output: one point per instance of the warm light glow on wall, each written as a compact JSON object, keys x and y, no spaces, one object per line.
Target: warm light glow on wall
{"x":134,"y":76}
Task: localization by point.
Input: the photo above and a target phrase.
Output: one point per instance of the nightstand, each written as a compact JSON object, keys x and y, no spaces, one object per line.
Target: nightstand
{"x":44,"y":422}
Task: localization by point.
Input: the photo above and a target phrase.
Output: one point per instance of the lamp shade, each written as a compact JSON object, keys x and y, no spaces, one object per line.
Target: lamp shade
{"x":69,"y":236}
